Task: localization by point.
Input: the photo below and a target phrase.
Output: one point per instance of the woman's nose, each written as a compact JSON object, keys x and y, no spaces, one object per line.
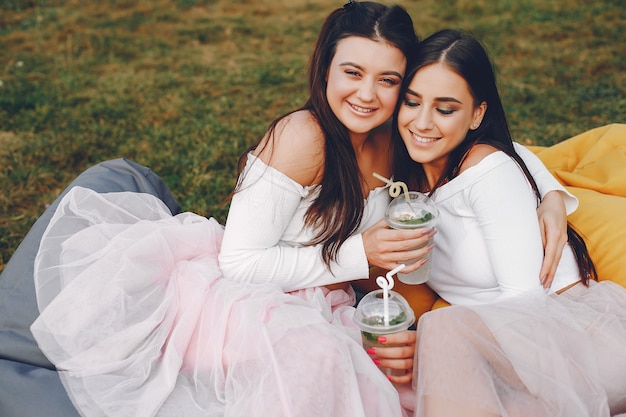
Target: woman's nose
{"x":366,"y":92}
{"x":423,"y":120}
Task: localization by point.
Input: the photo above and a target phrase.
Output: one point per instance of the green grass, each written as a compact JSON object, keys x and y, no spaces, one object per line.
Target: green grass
{"x":186,"y":86}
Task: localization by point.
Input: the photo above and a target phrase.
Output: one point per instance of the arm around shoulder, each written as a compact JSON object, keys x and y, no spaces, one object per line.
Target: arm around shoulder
{"x":544,"y":179}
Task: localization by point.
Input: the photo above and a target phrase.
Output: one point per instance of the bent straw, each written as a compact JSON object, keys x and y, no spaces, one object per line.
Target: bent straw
{"x":395,"y":187}
{"x":386,"y":283}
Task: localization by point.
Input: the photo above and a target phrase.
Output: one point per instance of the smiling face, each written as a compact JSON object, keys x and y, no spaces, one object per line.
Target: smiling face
{"x":437,"y":111}
{"x":363,"y":83}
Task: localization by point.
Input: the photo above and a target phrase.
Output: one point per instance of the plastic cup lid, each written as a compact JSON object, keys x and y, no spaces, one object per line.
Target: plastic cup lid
{"x":369,"y":314}
{"x":421,"y":211}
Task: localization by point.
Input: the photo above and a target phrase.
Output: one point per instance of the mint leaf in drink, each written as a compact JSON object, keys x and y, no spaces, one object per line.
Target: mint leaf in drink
{"x":370,"y":337}
{"x":380,"y":320}
{"x":428,"y":216}
{"x":400,"y":318}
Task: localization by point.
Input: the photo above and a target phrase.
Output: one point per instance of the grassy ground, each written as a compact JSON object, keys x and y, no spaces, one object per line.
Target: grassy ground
{"x":185,"y":86}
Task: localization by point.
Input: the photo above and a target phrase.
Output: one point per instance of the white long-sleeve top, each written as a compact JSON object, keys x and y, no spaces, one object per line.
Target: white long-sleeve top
{"x":265,"y":236}
{"x":488,"y":245}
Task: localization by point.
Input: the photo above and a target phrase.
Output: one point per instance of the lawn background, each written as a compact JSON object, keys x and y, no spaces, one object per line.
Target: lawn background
{"x":185,"y":86}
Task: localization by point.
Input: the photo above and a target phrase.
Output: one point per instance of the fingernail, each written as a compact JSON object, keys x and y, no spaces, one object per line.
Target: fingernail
{"x":382,"y":339}
{"x":371,"y":351}
{"x":376,"y":361}
{"x":389,"y":378}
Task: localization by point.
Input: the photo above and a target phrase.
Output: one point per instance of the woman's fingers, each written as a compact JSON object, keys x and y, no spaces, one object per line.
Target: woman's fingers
{"x":396,"y":353}
{"x":407,"y":337}
{"x":401,"y":379}
{"x":397,"y":359}
{"x":553,"y":227}
{"x":552,"y":256}
{"x":387,"y":248}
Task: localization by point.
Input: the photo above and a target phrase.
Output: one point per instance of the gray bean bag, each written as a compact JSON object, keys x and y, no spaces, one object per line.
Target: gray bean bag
{"x":29,"y":383}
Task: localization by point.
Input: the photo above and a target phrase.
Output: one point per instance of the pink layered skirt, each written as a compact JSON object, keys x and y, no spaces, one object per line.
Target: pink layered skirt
{"x":139,"y":322}
{"x":541,"y":356}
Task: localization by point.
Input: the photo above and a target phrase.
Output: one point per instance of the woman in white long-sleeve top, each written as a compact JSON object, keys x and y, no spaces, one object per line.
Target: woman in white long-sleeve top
{"x":507,"y":346}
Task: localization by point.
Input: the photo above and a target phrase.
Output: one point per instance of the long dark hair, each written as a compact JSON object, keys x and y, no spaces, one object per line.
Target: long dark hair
{"x":337,"y":211}
{"x":465,"y":55}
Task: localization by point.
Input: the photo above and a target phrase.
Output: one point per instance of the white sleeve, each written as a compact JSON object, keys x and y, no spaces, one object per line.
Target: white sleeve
{"x":253,"y":249}
{"x":544,"y":179}
{"x":505,"y":209}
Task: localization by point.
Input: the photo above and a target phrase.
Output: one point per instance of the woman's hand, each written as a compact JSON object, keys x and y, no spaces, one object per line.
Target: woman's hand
{"x":397,"y":354}
{"x":553,"y":225}
{"x":387,"y":248}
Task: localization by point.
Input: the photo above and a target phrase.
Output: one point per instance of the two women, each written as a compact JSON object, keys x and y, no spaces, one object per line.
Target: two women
{"x":135,"y":312}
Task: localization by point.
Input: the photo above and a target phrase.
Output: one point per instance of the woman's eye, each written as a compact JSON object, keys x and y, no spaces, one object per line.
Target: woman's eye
{"x":390,"y":81}
{"x":410,"y":103}
{"x":446,"y":112}
{"x":352,"y":73}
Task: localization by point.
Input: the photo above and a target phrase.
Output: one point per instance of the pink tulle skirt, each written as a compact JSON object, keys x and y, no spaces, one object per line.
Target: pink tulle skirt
{"x":139,"y":322}
{"x":544,"y":356}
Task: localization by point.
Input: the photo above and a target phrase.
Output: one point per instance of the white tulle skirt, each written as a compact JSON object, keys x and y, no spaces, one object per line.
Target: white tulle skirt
{"x":139,"y":322}
{"x":545,"y":356}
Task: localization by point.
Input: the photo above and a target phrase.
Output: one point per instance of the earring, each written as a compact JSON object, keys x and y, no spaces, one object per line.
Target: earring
{"x":475,"y":125}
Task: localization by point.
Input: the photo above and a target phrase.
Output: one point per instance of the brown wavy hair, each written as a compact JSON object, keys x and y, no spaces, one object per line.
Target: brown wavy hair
{"x":337,"y":211}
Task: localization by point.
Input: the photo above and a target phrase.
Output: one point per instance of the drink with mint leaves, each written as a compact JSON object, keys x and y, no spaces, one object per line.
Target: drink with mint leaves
{"x":415,"y":212}
{"x":370,"y":318}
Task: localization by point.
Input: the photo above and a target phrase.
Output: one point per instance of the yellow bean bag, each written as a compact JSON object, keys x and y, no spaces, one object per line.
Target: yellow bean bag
{"x":592,"y":166}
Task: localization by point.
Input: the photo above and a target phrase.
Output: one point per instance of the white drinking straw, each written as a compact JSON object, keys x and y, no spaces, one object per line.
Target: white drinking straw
{"x":386,"y":283}
{"x":395,"y":187}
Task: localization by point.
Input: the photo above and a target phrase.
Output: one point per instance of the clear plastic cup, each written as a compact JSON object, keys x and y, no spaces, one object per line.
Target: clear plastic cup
{"x":369,"y":317}
{"x":420,"y":211}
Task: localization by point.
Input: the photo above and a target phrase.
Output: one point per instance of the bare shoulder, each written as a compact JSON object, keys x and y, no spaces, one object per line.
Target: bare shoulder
{"x":296,"y":148}
{"x":476,"y":154}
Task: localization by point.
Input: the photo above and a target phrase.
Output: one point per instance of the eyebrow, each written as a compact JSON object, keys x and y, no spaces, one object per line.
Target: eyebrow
{"x":352,"y":64}
{"x":442,"y":99}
